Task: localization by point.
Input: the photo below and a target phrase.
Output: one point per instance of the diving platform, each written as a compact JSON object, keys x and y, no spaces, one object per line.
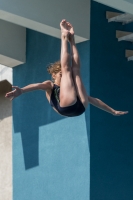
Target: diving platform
{"x":129,"y":55}
{"x":124,"y":18}
{"x":126,"y":36}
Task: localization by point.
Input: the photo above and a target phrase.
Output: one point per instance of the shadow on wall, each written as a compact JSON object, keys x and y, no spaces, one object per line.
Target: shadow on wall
{"x":32,"y":110}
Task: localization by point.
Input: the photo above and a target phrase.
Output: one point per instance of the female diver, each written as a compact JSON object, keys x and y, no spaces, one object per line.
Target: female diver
{"x":67,"y":94}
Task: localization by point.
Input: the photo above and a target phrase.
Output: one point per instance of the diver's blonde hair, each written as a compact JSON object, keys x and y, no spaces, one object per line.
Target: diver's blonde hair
{"x":54,"y":67}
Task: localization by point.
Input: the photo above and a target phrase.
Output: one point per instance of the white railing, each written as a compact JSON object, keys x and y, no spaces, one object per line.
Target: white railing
{"x":5,"y":73}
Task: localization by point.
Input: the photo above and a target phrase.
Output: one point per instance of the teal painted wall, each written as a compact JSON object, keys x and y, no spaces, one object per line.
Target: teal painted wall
{"x":111,"y":80}
{"x":51,"y":157}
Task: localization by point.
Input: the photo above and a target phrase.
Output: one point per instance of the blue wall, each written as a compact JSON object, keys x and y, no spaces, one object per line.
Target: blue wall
{"x":50,"y":152}
{"x":111,"y":80}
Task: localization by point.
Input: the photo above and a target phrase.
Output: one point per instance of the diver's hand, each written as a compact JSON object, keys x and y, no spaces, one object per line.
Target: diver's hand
{"x":119,"y":113}
{"x":15,"y":93}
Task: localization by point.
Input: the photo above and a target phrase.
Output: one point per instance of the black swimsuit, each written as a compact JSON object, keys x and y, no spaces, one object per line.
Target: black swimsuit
{"x":69,"y":111}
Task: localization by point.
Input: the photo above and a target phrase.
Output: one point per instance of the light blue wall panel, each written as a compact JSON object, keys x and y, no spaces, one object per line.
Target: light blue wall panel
{"x":50,"y":152}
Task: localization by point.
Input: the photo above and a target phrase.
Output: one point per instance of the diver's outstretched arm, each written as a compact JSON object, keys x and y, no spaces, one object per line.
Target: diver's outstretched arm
{"x":100,"y":104}
{"x":47,"y":85}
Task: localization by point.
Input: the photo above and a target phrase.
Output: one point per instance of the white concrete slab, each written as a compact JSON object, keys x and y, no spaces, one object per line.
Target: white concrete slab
{"x":12,"y":44}
{"x":45,"y":16}
{"x":5,"y":74}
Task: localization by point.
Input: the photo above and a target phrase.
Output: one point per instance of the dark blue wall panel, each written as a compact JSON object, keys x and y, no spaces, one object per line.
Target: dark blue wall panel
{"x":50,"y":152}
{"x":111,"y":80}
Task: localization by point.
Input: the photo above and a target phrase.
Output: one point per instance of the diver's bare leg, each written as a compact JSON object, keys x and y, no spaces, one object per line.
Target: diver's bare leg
{"x":76,"y":68}
{"x":68,"y":94}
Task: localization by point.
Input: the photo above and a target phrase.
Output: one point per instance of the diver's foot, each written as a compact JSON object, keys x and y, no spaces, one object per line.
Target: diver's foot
{"x":64,"y":30}
{"x":71,"y":31}
{"x":70,"y":28}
